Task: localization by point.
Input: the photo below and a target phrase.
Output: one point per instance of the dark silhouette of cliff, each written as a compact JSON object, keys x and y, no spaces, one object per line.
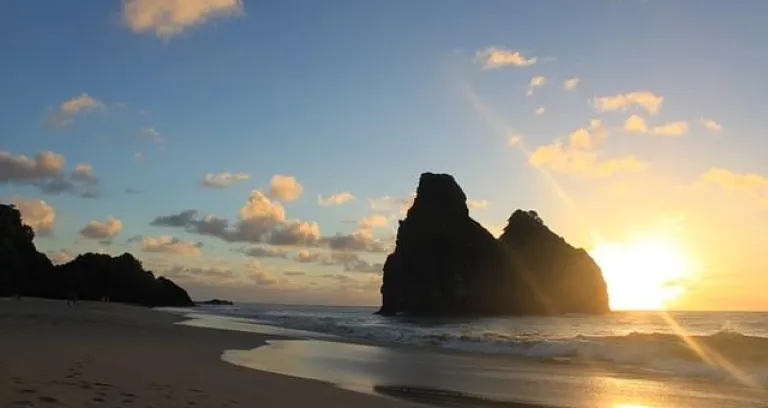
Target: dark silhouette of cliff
{"x":26,"y":272}
{"x":445,"y":263}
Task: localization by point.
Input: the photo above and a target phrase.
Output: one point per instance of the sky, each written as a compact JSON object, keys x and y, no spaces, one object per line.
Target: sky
{"x":264,"y":151}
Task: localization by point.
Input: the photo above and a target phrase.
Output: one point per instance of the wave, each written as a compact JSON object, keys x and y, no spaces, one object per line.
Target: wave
{"x":716,"y":354}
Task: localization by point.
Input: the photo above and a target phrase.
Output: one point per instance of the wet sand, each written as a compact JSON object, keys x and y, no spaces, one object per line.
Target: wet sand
{"x":109,"y":355}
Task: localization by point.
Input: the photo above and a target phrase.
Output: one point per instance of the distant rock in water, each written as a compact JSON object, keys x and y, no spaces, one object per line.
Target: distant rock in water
{"x":446,"y":263}
{"x":216,"y":302}
{"x":26,"y":272}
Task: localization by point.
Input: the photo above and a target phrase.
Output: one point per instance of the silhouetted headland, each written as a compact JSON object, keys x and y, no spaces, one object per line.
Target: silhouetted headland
{"x":26,"y":272}
{"x":446,"y":263}
{"x":216,"y":302}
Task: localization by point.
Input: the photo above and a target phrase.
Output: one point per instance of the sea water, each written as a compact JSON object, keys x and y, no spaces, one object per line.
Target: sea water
{"x":728,"y":346}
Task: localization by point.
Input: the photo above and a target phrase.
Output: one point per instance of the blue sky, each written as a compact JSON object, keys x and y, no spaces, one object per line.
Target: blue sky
{"x":361,"y":97}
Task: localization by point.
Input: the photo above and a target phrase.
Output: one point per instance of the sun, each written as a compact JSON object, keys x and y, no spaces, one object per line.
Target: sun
{"x":643,"y":274}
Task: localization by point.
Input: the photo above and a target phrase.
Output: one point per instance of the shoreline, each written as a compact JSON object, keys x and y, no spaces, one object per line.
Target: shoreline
{"x":105,"y":354}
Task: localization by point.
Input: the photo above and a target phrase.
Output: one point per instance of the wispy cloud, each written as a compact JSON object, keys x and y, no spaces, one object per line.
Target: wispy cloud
{"x":711,"y":125}
{"x":477,"y":204}
{"x":224,"y":179}
{"x":495,"y":57}
{"x":335,"y":199}
{"x":536,"y":82}
{"x":152,"y":134}
{"x":571,"y":83}
{"x":540,"y":111}
{"x":752,"y":185}
{"x":637,"y":124}
{"x":643,"y":99}
{"x":168,"y":18}
{"x":170,"y":245}
{"x":68,"y":110}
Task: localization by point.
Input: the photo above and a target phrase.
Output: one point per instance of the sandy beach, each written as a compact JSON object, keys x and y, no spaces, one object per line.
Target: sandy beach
{"x":111,"y":355}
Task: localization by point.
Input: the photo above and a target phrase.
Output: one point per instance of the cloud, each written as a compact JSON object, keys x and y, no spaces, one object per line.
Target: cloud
{"x":360,"y":240}
{"x":23,"y":169}
{"x":84,"y":172}
{"x":138,"y":156}
{"x":373,"y":221}
{"x":752,"y":185}
{"x":571,"y":83}
{"x":671,"y":129}
{"x":152,"y":134}
{"x":389,"y":204}
{"x":46,"y":172}
{"x":349,"y":261}
{"x":265,"y":252}
{"x":635,"y":124}
{"x":59,"y":257}
{"x":224,"y":179}
{"x":335,"y":199}
{"x":99,"y":230}
{"x":68,"y":110}
{"x":130,"y":190}
{"x":643,"y":99}
{"x":536,"y":82}
{"x":252,"y":274}
{"x":494,"y":57}
{"x":540,"y":111}
{"x":182,"y":219}
{"x":514,"y":140}
{"x":285,"y":188}
{"x":168,"y":18}
{"x":477,"y":204}
{"x":37,"y":214}
{"x":261,"y":221}
{"x":580,"y":155}
{"x":711,"y":125}
{"x":170,"y":245}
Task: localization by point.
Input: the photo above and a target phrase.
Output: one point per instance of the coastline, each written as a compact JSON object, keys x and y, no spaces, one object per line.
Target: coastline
{"x":106,"y":354}
{"x":111,"y":355}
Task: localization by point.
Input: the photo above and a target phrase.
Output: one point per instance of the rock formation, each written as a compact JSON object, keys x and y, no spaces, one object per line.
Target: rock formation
{"x":445,"y":263}
{"x":216,"y":302}
{"x":26,"y":272}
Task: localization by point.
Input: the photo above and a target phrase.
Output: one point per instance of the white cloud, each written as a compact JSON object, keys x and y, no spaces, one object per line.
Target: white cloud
{"x":671,"y":129}
{"x":391,"y":204}
{"x":644,"y":99}
{"x":335,"y":199}
{"x":477,"y":204}
{"x":540,"y":111}
{"x":635,"y":124}
{"x":67,"y":111}
{"x":536,"y":82}
{"x":224,"y":179}
{"x":514,"y":140}
{"x":571,"y":83}
{"x":711,"y":125}
{"x":285,"y":188}
{"x":37,"y":214}
{"x":167,"y":18}
{"x":265,"y":251}
{"x":152,"y":134}
{"x":373,"y":221}
{"x":102,"y":229}
{"x":138,"y":156}
{"x":494,"y":57}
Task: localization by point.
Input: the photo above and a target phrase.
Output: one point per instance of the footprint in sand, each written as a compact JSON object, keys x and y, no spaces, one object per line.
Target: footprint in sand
{"x":48,"y":399}
{"x":97,"y":399}
{"x":29,"y":391}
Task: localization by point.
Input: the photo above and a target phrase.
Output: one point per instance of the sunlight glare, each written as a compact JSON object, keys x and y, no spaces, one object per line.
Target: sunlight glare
{"x":643,"y":274}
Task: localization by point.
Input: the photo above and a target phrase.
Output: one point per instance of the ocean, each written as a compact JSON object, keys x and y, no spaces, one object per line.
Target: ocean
{"x":724,"y":348}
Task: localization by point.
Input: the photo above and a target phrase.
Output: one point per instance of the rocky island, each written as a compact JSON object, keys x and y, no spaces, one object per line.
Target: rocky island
{"x":446,"y":263}
{"x":26,"y":272}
